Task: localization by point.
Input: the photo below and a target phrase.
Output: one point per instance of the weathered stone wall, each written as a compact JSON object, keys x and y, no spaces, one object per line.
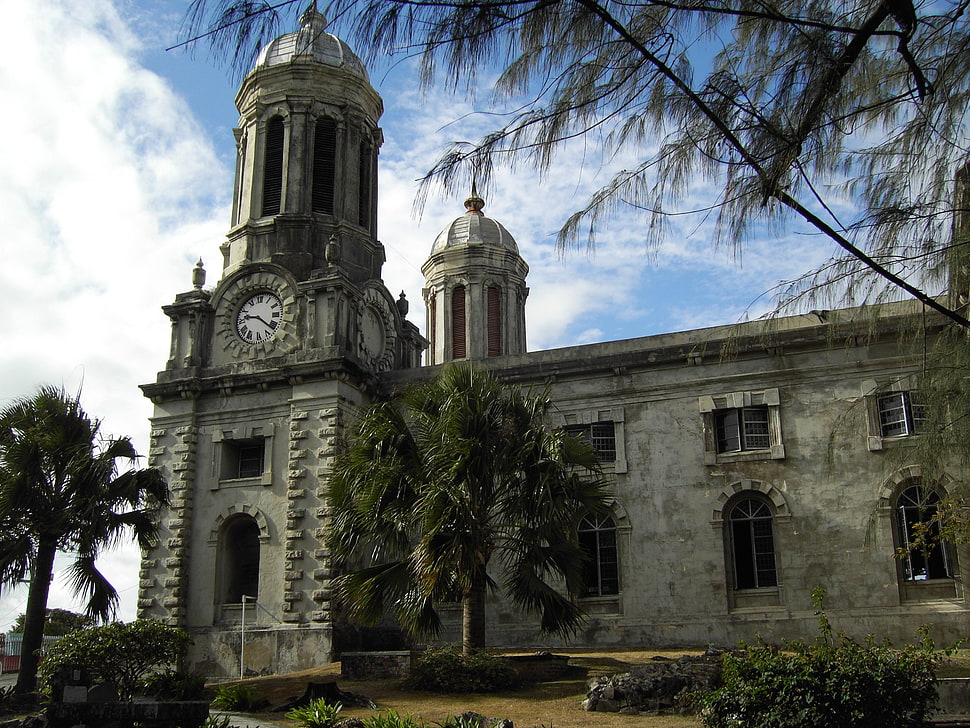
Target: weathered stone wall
{"x":374,"y":665}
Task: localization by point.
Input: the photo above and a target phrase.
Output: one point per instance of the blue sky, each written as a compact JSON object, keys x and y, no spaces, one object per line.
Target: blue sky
{"x":116,"y":176}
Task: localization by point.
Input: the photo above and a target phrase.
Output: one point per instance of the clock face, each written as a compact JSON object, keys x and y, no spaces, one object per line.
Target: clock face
{"x":259,"y":317}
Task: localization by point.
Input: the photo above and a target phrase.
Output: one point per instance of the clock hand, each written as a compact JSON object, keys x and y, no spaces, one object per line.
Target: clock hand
{"x":260,"y":319}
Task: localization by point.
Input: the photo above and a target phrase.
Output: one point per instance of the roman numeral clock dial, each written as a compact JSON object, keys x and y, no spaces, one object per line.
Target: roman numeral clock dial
{"x":259,"y":317}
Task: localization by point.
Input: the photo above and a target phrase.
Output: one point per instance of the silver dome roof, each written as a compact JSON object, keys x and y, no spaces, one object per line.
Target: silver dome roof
{"x":312,"y":40}
{"x":473,"y":228}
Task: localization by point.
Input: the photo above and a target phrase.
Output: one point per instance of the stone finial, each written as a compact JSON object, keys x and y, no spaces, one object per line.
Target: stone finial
{"x":312,"y":24}
{"x":332,"y":252}
{"x":403,"y":305}
{"x":474,"y":203}
{"x":198,"y":275}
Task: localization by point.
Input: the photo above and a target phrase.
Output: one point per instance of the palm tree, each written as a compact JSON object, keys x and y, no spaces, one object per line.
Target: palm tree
{"x":61,"y":490}
{"x":442,"y":479}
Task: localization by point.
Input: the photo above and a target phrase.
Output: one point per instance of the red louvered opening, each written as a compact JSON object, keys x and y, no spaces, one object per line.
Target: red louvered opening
{"x":494,"y":319}
{"x":324,"y":165}
{"x":458,"y":323}
{"x":433,"y":325}
{"x":273,"y":168}
{"x":363,"y":197}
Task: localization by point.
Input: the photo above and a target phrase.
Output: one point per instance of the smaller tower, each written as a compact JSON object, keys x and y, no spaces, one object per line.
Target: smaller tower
{"x":474,"y":289}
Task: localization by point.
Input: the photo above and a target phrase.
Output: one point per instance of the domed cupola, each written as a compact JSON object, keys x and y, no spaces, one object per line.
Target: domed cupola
{"x":306,"y":165}
{"x":473,"y":228}
{"x":312,"y":42}
{"x":475,"y":289}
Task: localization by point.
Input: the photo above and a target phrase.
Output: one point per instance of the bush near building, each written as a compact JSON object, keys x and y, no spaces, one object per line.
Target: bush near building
{"x":833,"y":681}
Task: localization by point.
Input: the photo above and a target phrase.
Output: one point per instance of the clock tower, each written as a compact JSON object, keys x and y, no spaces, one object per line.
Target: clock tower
{"x":267,"y":368}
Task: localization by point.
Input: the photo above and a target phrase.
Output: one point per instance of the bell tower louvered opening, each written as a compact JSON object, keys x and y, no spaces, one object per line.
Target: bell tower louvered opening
{"x":273,"y":168}
{"x":366,"y":178}
{"x":324,"y":166}
{"x":433,"y":326}
{"x":458,"y":350}
{"x":494,"y":321}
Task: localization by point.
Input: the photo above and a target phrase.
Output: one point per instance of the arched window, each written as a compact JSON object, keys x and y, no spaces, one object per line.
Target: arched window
{"x":240,"y":559}
{"x":324,"y":165}
{"x":494,"y":321}
{"x":918,"y":535}
{"x":752,"y":544}
{"x":458,"y":323}
{"x":597,"y":537}
{"x":273,"y":167}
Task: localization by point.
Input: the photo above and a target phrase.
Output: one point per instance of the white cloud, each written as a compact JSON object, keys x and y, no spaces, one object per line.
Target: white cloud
{"x":107,"y":197}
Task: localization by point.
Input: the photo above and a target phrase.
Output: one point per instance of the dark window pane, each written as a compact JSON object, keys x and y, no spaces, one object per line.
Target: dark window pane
{"x":597,"y":537}
{"x":752,"y":545}
{"x":241,"y":544}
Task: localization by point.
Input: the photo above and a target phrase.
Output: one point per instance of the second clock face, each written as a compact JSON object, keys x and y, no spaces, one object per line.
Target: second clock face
{"x":259,"y":317}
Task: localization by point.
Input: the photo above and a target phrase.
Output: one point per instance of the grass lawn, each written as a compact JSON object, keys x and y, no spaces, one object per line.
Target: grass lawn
{"x":550,"y":704}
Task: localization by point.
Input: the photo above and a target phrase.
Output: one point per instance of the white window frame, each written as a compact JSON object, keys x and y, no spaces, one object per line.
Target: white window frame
{"x":875,"y":395}
{"x":711,"y":405}
{"x":225,"y":439}
{"x":586,"y":418}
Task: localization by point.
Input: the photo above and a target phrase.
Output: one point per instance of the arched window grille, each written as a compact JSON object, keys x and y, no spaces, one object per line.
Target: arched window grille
{"x":753,"y":544}
{"x":597,"y":537}
{"x":927,"y":556}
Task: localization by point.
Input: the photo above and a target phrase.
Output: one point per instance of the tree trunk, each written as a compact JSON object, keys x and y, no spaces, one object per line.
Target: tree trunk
{"x":473,"y":616}
{"x":36,"y":615}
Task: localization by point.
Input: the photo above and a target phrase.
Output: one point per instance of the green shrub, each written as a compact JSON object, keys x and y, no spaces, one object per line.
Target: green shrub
{"x":118,"y":654}
{"x":391,"y":719}
{"x":316,"y":714}
{"x":174,"y":685}
{"x":465,"y":720}
{"x":220,"y":721}
{"x":235,"y":697}
{"x":447,"y":670}
{"x":834,"y":681}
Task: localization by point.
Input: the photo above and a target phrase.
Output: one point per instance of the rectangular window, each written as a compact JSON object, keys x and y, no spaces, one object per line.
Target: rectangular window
{"x":901,"y":414}
{"x":742,"y":425}
{"x":243,"y":459}
{"x":601,"y":435}
{"x":741,"y":429}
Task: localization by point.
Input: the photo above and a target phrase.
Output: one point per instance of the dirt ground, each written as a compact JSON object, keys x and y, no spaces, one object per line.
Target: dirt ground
{"x":547,"y":705}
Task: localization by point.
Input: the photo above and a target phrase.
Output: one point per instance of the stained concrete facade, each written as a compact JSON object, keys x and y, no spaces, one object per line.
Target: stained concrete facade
{"x":749,"y":463}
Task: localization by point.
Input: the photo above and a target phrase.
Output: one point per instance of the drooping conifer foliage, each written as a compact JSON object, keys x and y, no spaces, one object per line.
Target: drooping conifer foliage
{"x":847,"y":115}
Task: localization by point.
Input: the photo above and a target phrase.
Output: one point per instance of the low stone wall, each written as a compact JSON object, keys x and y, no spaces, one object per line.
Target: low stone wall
{"x":374,"y":665}
{"x":954,"y":705}
{"x":186,"y":714}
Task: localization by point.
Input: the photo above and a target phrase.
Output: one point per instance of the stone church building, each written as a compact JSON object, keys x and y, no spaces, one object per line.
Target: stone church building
{"x":741,"y":482}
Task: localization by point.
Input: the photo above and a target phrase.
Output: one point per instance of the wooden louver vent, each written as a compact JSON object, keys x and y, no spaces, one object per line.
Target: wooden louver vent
{"x":364,"y":193}
{"x":273,"y":168}
{"x":324,"y":166}
{"x":433,"y":326}
{"x":458,"y":323}
{"x":494,"y":321}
